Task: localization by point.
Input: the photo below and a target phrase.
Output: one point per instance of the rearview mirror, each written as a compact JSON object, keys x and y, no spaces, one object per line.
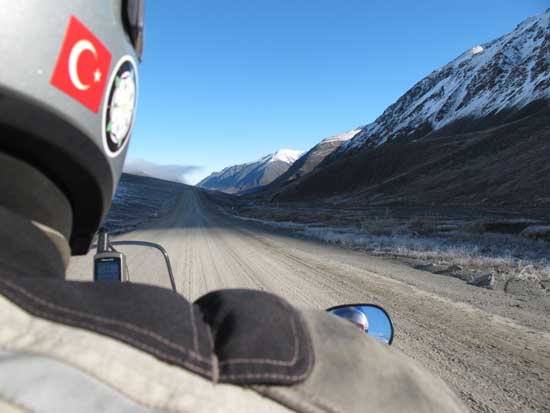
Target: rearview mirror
{"x":369,"y":318}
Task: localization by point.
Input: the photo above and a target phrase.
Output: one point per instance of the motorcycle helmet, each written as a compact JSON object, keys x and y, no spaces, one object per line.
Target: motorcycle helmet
{"x":68,"y":94}
{"x":354,"y":315}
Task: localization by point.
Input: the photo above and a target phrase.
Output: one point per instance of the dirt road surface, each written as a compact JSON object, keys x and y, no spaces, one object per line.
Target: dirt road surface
{"x":491,"y":351}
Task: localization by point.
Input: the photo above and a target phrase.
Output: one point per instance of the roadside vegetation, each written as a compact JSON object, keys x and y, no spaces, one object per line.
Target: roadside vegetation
{"x":506,"y":253}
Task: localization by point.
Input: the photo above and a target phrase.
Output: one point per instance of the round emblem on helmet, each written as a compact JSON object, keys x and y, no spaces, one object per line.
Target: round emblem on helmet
{"x":120,"y":106}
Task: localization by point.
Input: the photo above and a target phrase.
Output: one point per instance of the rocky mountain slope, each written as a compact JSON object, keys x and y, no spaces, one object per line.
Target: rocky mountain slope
{"x":239,"y":178}
{"x":472,"y":132}
{"x":309,"y":160}
{"x":487,"y":80}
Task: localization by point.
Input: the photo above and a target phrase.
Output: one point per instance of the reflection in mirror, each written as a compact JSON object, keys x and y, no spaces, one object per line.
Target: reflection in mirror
{"x":368,"y":318}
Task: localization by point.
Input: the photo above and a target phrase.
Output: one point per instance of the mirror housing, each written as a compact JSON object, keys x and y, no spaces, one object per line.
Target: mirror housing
{"x":369,"y":318}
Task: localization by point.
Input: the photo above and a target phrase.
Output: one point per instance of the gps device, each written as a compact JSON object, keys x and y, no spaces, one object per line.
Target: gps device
{"x":109,"y":266}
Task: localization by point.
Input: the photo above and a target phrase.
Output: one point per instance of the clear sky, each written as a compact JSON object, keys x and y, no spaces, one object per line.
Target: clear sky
{"x":228,"y":81}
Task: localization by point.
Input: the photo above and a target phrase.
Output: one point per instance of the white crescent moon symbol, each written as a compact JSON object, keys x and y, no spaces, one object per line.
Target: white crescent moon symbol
{"x":77,"y":50}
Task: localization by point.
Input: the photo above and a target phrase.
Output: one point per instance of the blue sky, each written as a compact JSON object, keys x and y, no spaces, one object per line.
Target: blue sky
{"x":226,"y":82}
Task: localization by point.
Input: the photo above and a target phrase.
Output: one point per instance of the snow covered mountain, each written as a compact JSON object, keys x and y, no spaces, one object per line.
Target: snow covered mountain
{"x":239,"y":178}
{"x":507,"y":73}
{"x":312,"y":158}
{"x":474,"y":132}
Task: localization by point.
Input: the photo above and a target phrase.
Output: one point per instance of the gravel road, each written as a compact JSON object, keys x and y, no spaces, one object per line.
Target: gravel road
{"x":494,"y":352}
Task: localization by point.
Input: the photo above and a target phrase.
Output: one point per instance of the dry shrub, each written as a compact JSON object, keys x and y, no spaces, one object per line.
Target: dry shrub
{"x":423,"y":225}
{"x":378,"y":226}
{"x":476,"y":227}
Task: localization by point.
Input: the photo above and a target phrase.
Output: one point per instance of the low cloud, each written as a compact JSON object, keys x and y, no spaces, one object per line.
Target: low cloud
{"x":176,"y":173}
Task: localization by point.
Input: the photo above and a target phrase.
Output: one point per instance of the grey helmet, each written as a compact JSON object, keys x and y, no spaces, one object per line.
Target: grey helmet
{"x":353,"y":315}
{"x":68,"y":93}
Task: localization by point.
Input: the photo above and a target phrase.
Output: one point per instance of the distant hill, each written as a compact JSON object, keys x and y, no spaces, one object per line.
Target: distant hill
{"x":239,"y":178}
{"x":308,"y":161}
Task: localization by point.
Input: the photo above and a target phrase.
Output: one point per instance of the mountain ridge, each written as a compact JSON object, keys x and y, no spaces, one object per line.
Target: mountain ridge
{"x":243,"y":177}
{"x":482,"y":81}
{"x":307,"y":162}
{"x":492,"y":85}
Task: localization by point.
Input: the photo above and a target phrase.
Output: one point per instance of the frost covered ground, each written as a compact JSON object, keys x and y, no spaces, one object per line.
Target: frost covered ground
{"x":490,"y":250}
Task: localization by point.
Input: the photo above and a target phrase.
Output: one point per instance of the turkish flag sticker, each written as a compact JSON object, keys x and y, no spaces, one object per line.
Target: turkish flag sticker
{"x":82,"y":67}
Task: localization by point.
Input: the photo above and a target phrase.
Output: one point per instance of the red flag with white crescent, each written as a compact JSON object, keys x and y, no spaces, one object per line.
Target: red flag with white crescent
{"x":82,"y":67}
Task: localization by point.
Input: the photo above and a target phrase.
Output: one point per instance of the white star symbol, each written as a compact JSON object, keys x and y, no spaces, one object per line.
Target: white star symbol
{"x":97,"y":75}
